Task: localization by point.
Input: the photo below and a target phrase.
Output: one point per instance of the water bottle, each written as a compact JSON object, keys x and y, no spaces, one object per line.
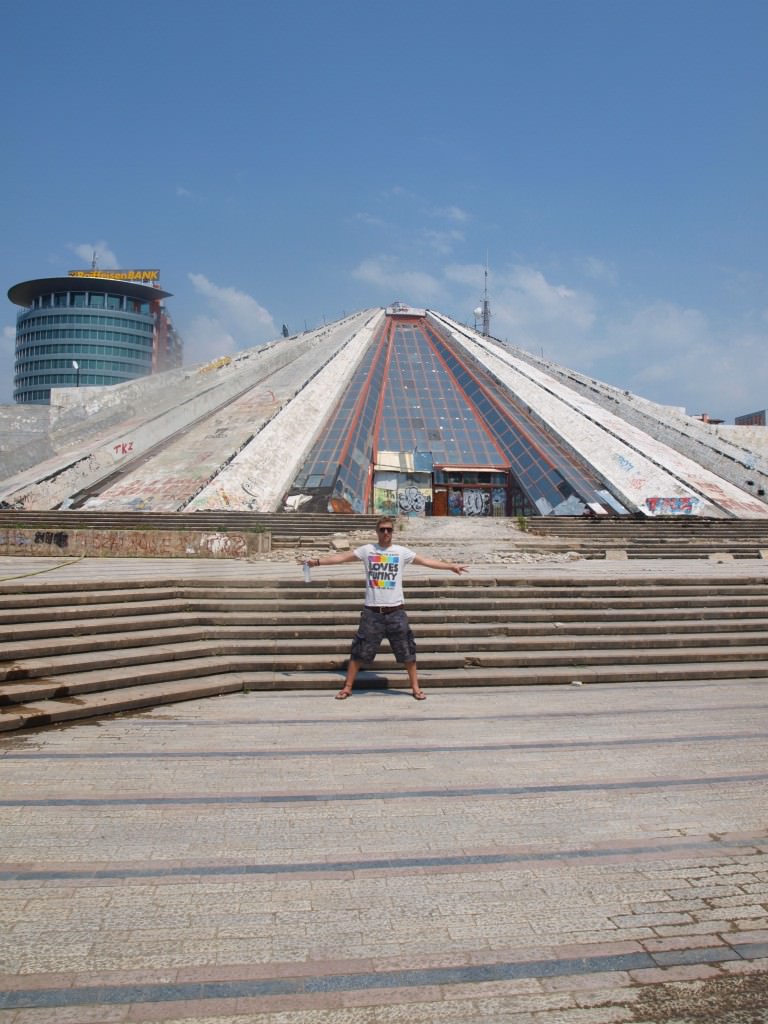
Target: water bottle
{"x":307,"y":573}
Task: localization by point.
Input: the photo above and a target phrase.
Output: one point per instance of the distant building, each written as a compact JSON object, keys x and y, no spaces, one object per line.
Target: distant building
{"x":751,"y":419}
{"x":91,"y":328}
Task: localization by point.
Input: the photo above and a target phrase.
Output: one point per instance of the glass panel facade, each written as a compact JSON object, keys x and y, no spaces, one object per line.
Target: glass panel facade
{"x":417,"y":394}
{"x":401,"y":398}
{"x":426,"y":408}
{"x":111,"y":346}
{"x":339,"y":463}
{"x":546,"y":471}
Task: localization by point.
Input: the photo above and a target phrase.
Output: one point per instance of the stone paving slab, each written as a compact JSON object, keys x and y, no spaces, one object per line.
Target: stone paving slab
{"x":547,"y":855}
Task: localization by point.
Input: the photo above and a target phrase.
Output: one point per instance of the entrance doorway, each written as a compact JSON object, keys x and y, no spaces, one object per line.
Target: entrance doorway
{"x":469,"y":492}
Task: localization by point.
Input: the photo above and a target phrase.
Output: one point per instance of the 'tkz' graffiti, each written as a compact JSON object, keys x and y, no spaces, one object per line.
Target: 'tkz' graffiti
{"x":123,"y":448}
{"x":675,"y":506}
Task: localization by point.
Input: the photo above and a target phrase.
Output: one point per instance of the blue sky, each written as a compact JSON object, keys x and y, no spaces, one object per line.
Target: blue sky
{"x":287,"y":162}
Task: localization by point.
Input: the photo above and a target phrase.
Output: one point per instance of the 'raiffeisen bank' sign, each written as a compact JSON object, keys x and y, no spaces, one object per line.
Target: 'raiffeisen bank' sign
{"x":118,"y":275}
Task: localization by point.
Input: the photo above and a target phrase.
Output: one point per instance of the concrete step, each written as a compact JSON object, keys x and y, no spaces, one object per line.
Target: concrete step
{"x":40,"y":711}
{"x":73,"y":652}
{"x":62,"y":605}
{"x":81,"y":519}
{"x":686,"y":538}
{"x":322,"y":623}
{"x":384,"y":678}
{"x":117,"y":677}
{"x":71,"y":675}
{"x":104,"y":634}
{"x":92,"y":591}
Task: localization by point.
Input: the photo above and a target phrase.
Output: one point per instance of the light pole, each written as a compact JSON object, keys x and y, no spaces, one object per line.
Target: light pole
{"x":77,"y":372}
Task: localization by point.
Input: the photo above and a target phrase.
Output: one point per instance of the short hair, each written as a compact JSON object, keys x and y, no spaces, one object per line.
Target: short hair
{"x":385,"y":519}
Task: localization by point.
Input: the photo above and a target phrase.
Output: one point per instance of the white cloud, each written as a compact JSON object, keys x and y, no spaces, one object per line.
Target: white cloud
{"x":413,"y":286}
{"x":206,"y":338}
{"x":530,"y":298}
{"x":443,"y":242}
{"x":599,"y":270}
{"x":665,"y":352}
{"x":105,"y":257}
{"x":182,"y":192}
{"x":454,"y":213}
{"x":526,"y":307}
{"x":236,"y":309}
{"x":233,"y":321}
{"x":469,"y":274}
{"x":370,"y":219}
{"x":676,"y":356}
{"x":664,"y":328}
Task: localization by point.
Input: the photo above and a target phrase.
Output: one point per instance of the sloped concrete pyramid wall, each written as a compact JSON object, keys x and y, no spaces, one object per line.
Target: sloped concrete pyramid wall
{"x":234,"y":433}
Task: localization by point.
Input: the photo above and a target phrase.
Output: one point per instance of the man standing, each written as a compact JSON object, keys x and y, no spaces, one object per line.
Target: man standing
{"x":384,"y":612}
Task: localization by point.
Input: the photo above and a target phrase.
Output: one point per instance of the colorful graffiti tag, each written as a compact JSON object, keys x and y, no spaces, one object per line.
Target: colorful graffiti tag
{"x":411,"y":501}
{"x":677,"y":505}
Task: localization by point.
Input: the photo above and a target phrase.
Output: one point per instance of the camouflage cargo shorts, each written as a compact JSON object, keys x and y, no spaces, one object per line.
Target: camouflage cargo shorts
{"x":374,"y":627}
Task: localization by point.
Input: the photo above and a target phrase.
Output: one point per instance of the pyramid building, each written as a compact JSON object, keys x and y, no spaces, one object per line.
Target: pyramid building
{"x":392,"y":411}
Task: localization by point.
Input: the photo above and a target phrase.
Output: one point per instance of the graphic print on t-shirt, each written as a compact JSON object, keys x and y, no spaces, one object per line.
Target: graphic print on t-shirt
{"x":382,"y":571}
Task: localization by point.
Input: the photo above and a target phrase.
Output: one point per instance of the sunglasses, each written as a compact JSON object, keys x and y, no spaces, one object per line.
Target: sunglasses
{"x":384,"y":529}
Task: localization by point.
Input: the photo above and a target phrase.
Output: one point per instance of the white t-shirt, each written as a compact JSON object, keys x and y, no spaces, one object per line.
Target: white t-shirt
{"x":384,"y":572}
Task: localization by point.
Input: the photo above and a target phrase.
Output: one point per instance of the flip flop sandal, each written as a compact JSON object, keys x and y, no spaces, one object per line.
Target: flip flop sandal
{"x":343,"y":694}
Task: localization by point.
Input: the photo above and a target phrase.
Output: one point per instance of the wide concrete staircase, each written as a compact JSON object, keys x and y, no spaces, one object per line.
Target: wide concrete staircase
{"x":84,"y":649}
{"x":683,"y":537}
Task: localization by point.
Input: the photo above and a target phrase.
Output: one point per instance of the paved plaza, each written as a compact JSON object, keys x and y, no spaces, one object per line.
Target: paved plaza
{"x":543,"y":855}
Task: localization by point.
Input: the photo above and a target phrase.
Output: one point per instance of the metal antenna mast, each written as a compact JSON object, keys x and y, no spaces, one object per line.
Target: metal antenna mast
{"x":486,"y":305}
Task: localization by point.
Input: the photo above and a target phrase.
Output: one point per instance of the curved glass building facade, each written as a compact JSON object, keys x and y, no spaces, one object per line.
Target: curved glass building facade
{"x":88,"y":331}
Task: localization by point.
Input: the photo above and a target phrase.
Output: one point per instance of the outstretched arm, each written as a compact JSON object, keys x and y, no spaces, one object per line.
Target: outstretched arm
{"x":342,"y":556}
{"x":435,"y":563}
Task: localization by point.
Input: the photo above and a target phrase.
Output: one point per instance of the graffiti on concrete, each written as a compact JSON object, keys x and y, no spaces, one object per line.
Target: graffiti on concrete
{"x":476,"y":503}
{"x":217,"y":364}
{"x":410,"y":501}
{"x":636,"y":482}
{"x":677,"y":505}
{"x":11,"y":540}
{"x":123,"y":448}
{"x":222,"y":545}
{"x":60,"y":539}
{"x":137,"y":543}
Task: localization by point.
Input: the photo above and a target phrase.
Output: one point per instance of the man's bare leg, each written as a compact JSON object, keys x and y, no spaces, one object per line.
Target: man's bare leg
{"x":413,"y":679}
{"x":353,"y":667}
